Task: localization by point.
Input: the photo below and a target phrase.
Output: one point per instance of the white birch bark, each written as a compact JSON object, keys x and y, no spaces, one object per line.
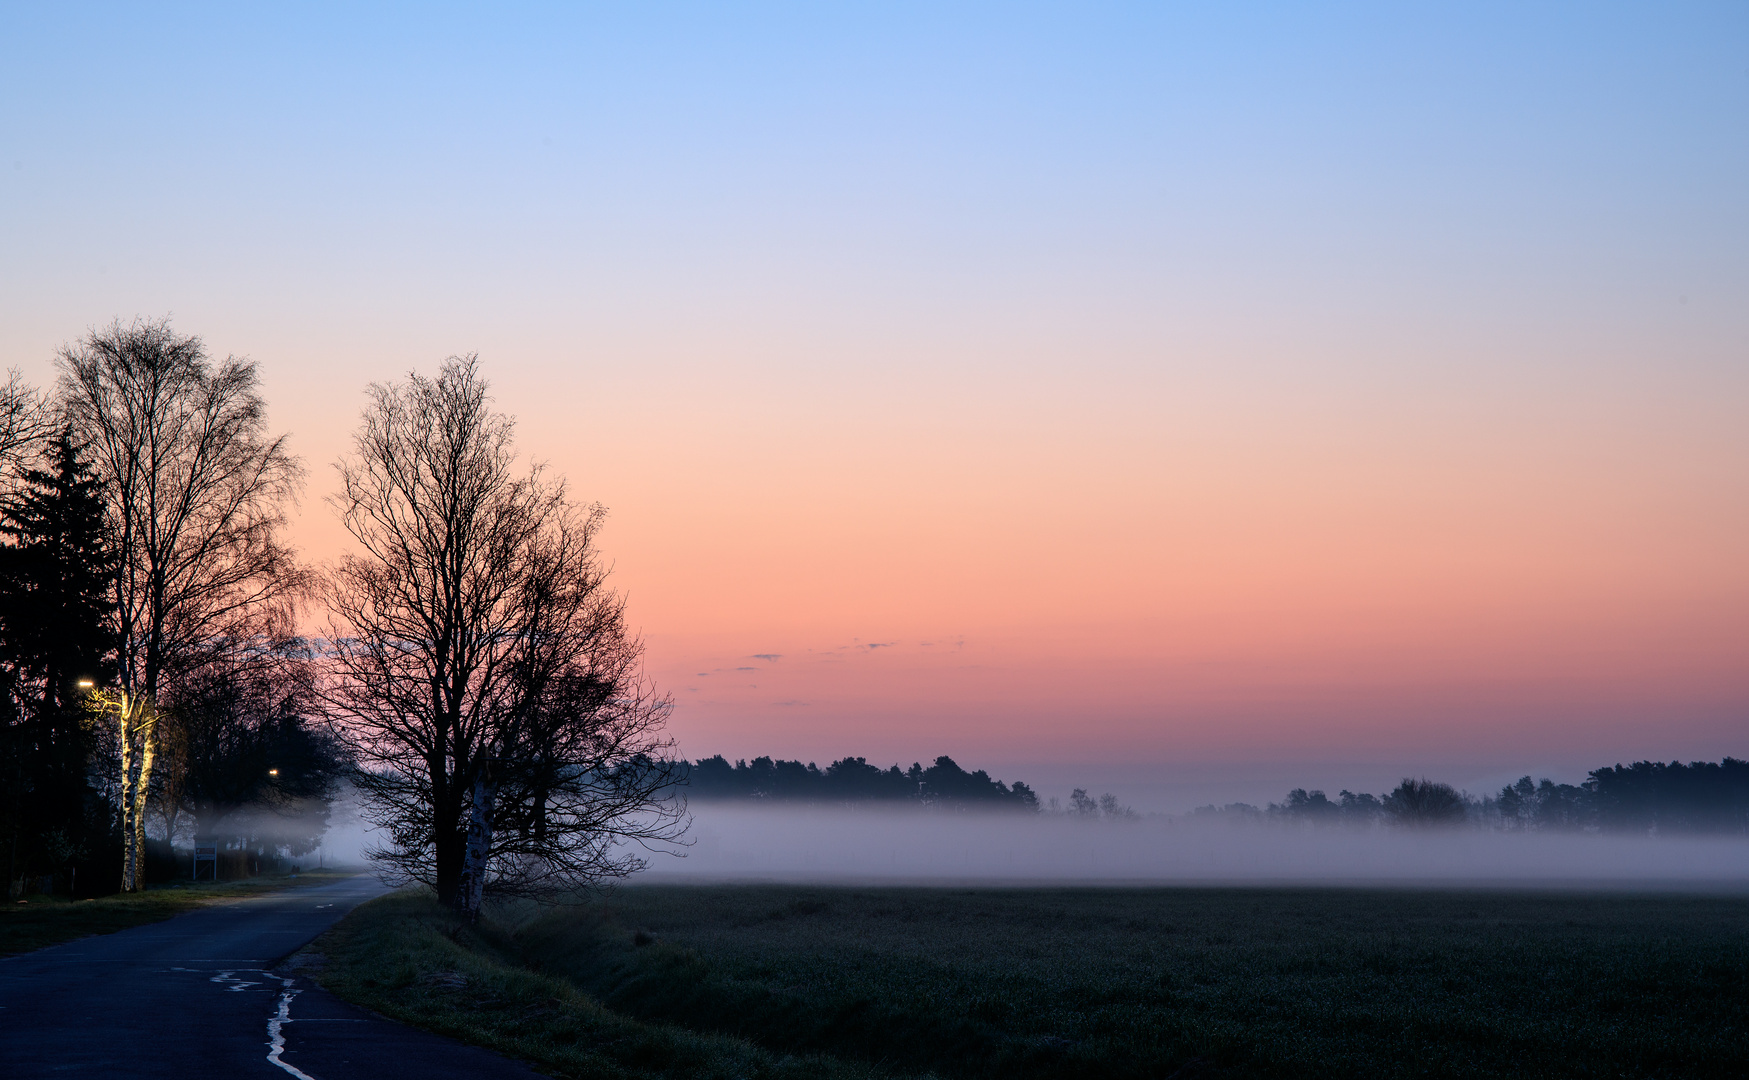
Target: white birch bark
{"x":479,"y":847}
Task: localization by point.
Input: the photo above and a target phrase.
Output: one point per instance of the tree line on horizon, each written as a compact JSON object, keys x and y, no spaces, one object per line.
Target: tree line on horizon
{"x":851,"y":780}
{"x":475,"y":684}
{"x":1646,"y":796}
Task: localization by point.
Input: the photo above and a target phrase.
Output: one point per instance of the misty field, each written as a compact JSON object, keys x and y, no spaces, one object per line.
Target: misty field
{"x":807,"y":981}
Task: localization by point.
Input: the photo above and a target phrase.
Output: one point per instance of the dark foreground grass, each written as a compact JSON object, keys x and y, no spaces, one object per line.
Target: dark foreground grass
{"x":408,"y":958}
{"x":41,"y":921}
{"x":1087,"y":982}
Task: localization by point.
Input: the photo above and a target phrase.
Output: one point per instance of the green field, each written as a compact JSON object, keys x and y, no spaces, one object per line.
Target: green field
{"x":798,"y":981}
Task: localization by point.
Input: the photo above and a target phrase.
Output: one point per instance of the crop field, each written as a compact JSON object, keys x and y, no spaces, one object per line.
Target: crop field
{"x":788,"y":980}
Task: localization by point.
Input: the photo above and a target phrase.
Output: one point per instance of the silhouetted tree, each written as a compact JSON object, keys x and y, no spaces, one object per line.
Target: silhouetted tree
{"x":481,"y":669}
{"x":1701,"y":796}
{"x":1312,"y":807}
{"x":1362,"y":809}
{"x":55,"y":577}
{"x":26,"y":421}
{"x":195,"y":493}
{"x":55,"y":581}
{"x":253,"y":758}
{"x":1517,"y":805}
{"x":852,"y":780}
{"x":1112,"y":810}
{"x":1423,"y":802}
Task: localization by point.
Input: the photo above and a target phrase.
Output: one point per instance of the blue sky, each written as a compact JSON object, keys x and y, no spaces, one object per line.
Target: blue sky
{"x":1367,"y":343}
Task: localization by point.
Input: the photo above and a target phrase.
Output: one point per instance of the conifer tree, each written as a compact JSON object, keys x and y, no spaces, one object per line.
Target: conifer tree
{"x":56,"y":577}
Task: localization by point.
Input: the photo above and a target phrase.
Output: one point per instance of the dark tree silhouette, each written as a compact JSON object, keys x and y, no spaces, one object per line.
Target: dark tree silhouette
{"x":1362,"y":809}
{"x":252,"y":758}
{"x":481,"y":669}
{"x":55,"y":576}
{"x":1424,"y":802}
{"x":55,"y":579}
{"x":852,"y":780}
{"x":1701,"y":796}
{"x":1313,"y":807}
{"x":195,"y":493}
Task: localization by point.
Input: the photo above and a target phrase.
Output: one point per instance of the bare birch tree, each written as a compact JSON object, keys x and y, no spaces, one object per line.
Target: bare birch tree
{"x":196,"y":493}
{"x":480,"y":664}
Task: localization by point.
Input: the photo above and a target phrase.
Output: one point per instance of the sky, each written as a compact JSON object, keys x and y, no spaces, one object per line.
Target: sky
{"x":1211,"y":394}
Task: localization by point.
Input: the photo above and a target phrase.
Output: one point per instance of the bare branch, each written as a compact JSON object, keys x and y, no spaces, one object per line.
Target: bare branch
{"x":482,"y":670}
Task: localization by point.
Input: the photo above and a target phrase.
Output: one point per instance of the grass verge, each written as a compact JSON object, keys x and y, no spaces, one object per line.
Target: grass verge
{"x":412,"y":960}
{"x":42,"y":921}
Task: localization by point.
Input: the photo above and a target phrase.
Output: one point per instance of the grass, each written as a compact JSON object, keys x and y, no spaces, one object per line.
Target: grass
{"x":41,"y":921}
{"x":1119,"y":983}
{"x":409,"y":959}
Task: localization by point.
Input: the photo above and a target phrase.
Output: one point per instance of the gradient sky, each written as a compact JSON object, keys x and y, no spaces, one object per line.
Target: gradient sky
{"x":1343,"y":387}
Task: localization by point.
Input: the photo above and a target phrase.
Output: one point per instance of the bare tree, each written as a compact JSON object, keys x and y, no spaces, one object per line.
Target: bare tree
{"x":481,"y":667}
{"x":1423,"y":802}
{"x":25,"y":420}
{"x":196,"y":493}
{"x":251,"y":756}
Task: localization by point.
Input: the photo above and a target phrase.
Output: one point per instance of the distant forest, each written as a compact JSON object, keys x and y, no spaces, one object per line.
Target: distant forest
{"x":1646,"y":796}
{"x":852,"y":780}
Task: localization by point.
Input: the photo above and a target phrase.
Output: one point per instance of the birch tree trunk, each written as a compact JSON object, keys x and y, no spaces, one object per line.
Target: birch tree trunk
{"x":479,"y":847}
{"x":141,"y":788}
{"x":127,"y":801}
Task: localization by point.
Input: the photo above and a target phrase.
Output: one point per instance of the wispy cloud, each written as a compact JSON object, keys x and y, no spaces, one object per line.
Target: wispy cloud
{"x":768,"y":657}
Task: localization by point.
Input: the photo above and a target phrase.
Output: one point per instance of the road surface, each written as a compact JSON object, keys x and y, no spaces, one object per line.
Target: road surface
{"x":197,"y":996}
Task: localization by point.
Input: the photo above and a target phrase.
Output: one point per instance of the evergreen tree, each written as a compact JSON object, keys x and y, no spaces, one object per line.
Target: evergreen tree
{"x":56,"y":579}
{"x":55,"y":592}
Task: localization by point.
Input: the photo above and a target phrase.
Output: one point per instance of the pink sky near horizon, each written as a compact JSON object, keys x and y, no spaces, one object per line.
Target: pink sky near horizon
{"x":1172,"y":571}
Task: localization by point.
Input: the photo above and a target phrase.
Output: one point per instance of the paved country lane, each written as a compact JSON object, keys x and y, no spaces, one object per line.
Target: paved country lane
{"x":196,"y":996}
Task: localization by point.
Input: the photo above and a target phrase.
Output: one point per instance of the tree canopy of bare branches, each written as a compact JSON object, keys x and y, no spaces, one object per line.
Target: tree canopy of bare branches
{"x":195,"y":490}
{"x":26,"y":419}
{"x":480,"y":664}
{"x":251,"y":756}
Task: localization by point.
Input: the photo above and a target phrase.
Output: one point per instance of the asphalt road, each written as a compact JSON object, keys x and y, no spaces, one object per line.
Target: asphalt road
{"x":199,"y":996}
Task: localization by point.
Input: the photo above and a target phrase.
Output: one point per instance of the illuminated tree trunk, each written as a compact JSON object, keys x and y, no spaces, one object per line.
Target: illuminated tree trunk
{"x":127,"y":801}
{"x":134,"y":727}
{"x":141,"y":788}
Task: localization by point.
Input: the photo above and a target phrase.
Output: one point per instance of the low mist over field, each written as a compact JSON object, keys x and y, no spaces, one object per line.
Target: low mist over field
{"x":740,"y":843}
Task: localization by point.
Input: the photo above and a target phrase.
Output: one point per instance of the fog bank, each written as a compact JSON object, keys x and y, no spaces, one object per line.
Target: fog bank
{"x":799,"y":843}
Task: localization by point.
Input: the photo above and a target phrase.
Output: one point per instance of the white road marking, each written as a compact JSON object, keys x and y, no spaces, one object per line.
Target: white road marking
{"x":275,"y":1031}
{"x":235,"y":984}
{"x":275,"y":1023}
